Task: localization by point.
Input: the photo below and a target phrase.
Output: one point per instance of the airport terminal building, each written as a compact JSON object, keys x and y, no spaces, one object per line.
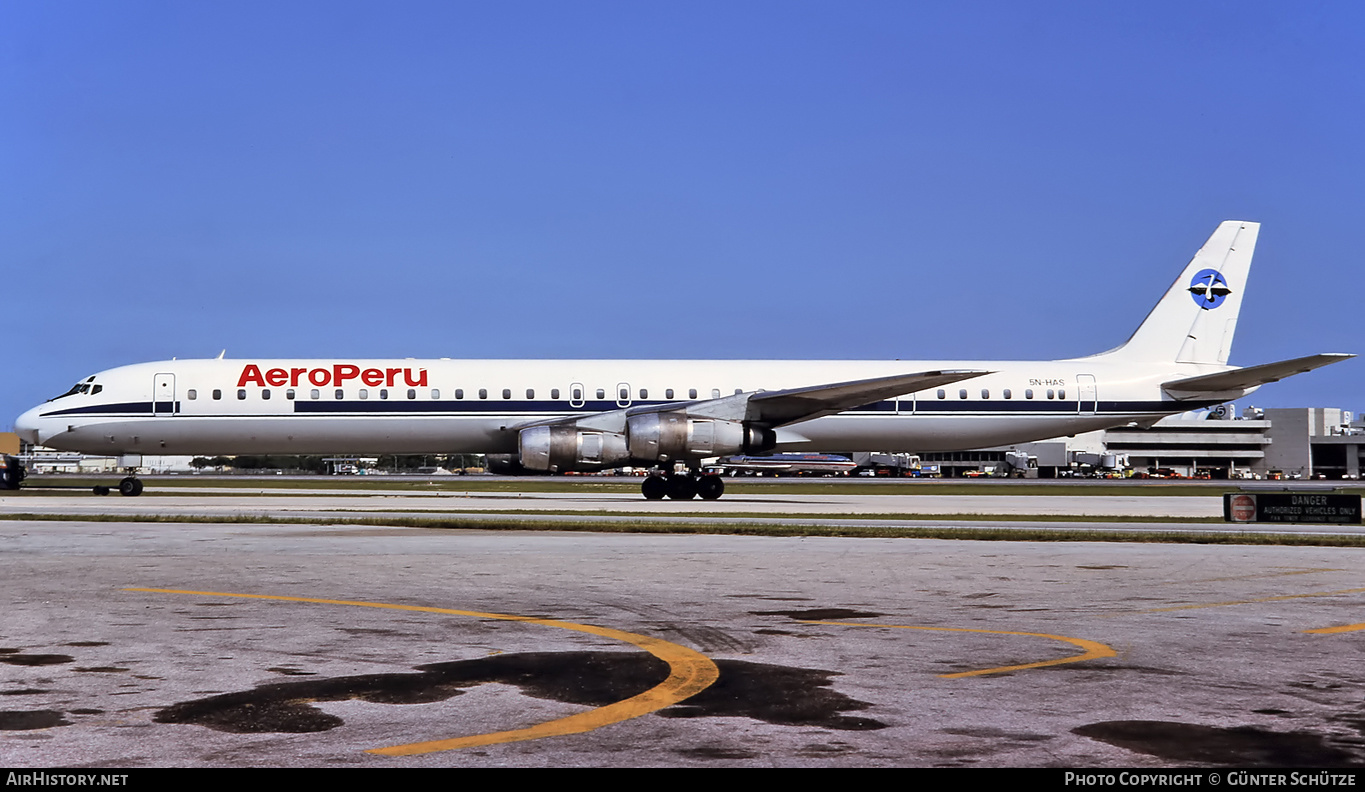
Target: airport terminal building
{"x":1300,"y":443}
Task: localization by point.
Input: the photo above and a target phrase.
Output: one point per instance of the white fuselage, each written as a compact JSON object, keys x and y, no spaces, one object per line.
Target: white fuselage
{"x":207,"y":407}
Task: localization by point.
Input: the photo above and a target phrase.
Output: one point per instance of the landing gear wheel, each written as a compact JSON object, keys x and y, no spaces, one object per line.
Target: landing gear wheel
{"x":682,"y":487}
{"x":710,"y":487}
{"x":100,"y":489}
{"x":130,"y":487}
{"x":654,"y":487}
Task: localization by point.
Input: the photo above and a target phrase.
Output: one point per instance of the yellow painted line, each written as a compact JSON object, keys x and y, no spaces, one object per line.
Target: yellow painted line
{"x":1279,"y":598}
{"x":1093,"y":649}
{"x":690,"y":673}
{"x":1345,"y":628}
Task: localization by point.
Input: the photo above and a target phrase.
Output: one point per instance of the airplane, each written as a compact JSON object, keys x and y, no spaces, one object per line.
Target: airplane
{"x":580,"y":415}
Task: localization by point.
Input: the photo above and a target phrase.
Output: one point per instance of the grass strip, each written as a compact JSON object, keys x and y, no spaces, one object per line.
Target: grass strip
{"x":741,"y":529}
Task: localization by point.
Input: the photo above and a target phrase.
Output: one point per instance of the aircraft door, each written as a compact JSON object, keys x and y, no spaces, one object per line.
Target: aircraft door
{"x":1085,"y":391}
{"x":576,"y":394}
{"x":623,"y":394}
{"x":163,"y":394}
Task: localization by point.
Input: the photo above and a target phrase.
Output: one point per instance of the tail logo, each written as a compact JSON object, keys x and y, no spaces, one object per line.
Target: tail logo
{"x":1209,"y":289}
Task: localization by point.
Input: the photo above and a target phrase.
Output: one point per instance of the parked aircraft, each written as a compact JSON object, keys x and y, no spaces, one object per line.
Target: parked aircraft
{"x":562,"y":415}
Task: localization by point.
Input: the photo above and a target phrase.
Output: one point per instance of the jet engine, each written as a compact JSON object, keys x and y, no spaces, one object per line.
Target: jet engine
{"x":672,"y":436}
{"x":569,"y":447}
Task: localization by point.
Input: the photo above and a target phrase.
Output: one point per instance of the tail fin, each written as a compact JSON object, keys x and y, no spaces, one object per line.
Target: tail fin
{"x":1195,"y":321}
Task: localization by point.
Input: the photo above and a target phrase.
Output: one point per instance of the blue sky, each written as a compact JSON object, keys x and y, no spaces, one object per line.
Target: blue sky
{"x":642,"y":179}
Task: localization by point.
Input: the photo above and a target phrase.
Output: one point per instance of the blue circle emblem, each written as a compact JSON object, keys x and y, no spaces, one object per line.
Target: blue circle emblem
{"x":1209,"y":289}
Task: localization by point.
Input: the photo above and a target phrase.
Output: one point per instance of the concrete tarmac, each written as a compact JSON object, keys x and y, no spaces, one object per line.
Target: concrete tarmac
{"x":134,"y":644}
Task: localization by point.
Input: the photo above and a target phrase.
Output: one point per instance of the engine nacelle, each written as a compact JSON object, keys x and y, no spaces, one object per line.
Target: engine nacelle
{"x":567,"y":447}
{"x":674,"y":436}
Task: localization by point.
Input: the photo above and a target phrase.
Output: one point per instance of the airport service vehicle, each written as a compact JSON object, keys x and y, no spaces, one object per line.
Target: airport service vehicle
{"x":581,"y":415}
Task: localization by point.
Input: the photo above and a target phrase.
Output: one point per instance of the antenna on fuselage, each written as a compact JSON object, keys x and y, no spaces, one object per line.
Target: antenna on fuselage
{"x":220,"y":355}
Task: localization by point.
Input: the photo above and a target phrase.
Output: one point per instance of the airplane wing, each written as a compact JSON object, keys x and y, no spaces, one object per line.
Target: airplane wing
{"x":1249,"y":377}
{"x":779,"y":408}
{"x":782,"y":407}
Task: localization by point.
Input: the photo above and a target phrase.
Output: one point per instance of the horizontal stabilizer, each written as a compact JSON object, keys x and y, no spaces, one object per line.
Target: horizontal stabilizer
{"x":1250,"y":377}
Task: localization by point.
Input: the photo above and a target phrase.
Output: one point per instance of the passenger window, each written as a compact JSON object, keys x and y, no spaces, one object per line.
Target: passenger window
{"x":644,"y":394}
{"x":962,"y":393}
{"x":192,"y":394}
{"x":289,"y":394}
{"x":738,"y":391}
{"x":577,"y":394}
{"x":241,"y":394}
{"x":315,"y":394}
{"x":1008,"y":395}
{"x":412,"y":393}
{"x":691,"y":393}
{"x":942,"y":394}
{"x":341,"y":394}
{"x":554,"y":393}
{"x":1061,"y":394}
{"x":715,"y":393}
{"x":623,"y":394}
{"x":383,"y":393}
{"x":601,"y":393}
{"x":1049,"y":393}
{"x":435,"y":393}
{"x":459,"y":393}
{"x":217,"y":394}
{"x":668,"y":394}
{"x":507,"y":393}
{"x":985,"y":393}
{"x":265,"y":394}
{"x":364,"y":393}
{"x":530,"y":393}
{"x":1028,"y":394}
{"x":483,"y":393}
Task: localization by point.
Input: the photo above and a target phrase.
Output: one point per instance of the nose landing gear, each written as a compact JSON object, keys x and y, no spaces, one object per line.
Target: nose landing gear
{"x":130,"y":487}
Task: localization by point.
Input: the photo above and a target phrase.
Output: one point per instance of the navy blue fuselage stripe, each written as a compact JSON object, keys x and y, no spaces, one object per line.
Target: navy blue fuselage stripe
{"x":561,"y":408}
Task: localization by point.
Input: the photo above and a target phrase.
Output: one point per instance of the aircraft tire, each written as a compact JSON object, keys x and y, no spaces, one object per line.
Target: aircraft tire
{"x":710,"y":487}
{"x":682,"y":487}
{"x":654,"y":487}
{"x":130,"y":487}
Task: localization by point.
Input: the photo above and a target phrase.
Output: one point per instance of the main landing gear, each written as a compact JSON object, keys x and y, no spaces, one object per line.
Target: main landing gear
{"x":682,"y":486}
{"x":130,"y":487}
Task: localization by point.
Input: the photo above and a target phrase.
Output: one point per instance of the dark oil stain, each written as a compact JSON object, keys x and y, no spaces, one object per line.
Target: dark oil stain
{"x":23,"y":692}
{"x":1242,"y":746}
{"x":88,"y":643}
{"x":101,"y":670}
{"x":26,"y":720}
{"x":716,"y":753}
{"x":981,"y":594}
{"x":1101,"y":566}
{"x":1271,"y":712}
{"x":87,"y":712}
{"x":821,"y":614}
{"x":774,"y":694}
{"x":7,"y":650}
{"x":291,"y":671}
{"x":36,"y":659}
{"x":775,"y":632}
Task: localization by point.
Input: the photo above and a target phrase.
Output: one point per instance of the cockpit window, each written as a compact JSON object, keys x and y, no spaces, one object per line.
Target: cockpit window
{"x":83,"y":386}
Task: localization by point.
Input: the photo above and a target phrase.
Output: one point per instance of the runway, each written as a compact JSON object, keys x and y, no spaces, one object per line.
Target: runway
{"x":179,"y":644}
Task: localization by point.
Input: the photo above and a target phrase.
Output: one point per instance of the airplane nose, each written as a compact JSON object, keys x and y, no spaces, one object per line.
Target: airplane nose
{"x":26,"y":426}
